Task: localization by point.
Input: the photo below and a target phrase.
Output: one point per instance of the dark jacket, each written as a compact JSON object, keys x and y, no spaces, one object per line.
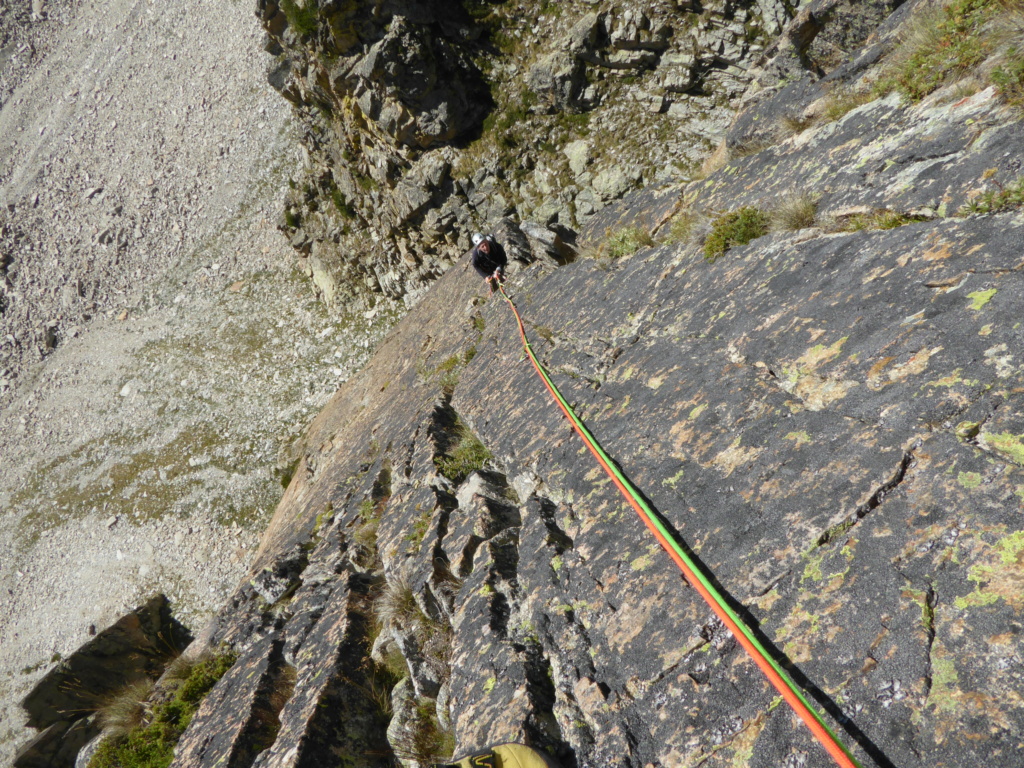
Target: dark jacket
{"x":486,"y":263}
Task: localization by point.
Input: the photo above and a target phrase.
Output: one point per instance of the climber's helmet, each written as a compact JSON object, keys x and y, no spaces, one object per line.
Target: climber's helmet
{"x":477,"y":237}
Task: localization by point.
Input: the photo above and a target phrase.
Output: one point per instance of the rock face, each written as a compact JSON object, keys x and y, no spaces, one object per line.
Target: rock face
{"x":830,"y":418}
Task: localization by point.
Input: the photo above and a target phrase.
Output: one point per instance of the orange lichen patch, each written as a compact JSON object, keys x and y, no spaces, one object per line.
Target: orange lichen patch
{"x":876,"y":370}
{"x":743,"y":743}
{"x":998,"y":574}
{"x":916,"y":365}
{"x":817,"y":392}
{"x":735,"y":456}
{"x":938,"y":252}
{"x":876,"y":273}
{"x":689,"y":439}
{"x":632,"y":621}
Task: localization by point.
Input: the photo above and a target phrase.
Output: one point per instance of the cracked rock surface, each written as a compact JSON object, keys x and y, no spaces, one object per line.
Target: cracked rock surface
{"x":836,"y":439}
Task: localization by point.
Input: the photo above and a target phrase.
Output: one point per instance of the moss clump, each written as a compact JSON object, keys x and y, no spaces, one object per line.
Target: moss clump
{"x":628,"y":240}
{"x":151,"y":745}
{"x":735,"y":228}
{"x":466,"y":455}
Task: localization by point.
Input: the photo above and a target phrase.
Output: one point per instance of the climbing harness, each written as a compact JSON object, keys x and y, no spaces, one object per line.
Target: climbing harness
{"x":693,"y":572}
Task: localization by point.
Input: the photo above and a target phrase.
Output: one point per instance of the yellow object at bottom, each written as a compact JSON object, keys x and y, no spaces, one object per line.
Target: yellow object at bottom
{"x":504,"y":756}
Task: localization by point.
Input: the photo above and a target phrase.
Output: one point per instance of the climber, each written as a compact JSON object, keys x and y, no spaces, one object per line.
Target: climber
{"x":488,"y":259}
{"x":502,"y":756}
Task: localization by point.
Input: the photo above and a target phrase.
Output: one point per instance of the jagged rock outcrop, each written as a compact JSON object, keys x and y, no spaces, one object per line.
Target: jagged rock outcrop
{"x":403,"y":165}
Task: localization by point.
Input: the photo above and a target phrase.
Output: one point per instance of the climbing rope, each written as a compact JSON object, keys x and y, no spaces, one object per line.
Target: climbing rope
{"x":693,"y":572}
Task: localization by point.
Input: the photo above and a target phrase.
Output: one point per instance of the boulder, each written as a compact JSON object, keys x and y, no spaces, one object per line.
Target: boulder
{"x":136,"y":646}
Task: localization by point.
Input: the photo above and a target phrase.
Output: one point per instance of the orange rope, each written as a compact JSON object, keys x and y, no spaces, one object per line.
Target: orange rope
{"x":694,"y":575}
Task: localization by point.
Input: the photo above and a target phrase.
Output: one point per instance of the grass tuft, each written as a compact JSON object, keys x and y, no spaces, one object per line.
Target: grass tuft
{"x":878,"y":219}
{"x":798,"y":211}
{"x":126,"y":709}
{"x":628,"y":240}
{"x":466,"y":455}
{"x":841,"y":101}
{"x":1010,"y":196}
{"x":791,"y":125}
{"x":1008,"y":77}
{"x":424,"y":740}
{"x":301,"y":18}
{"x":939,"y":47}
{"x":737,"y":227}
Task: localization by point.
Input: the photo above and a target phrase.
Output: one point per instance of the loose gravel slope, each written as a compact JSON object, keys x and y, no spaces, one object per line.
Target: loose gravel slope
{"x":158,"y":350}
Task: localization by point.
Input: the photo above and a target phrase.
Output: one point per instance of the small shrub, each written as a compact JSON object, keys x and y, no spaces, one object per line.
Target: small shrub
{"x":797,"y":211}
{"x":301,"y":18}
{"x":342,"y":204}
{"x":1010,"y":196}
{"x":735,"y":228}
{"x":628,"y":240}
